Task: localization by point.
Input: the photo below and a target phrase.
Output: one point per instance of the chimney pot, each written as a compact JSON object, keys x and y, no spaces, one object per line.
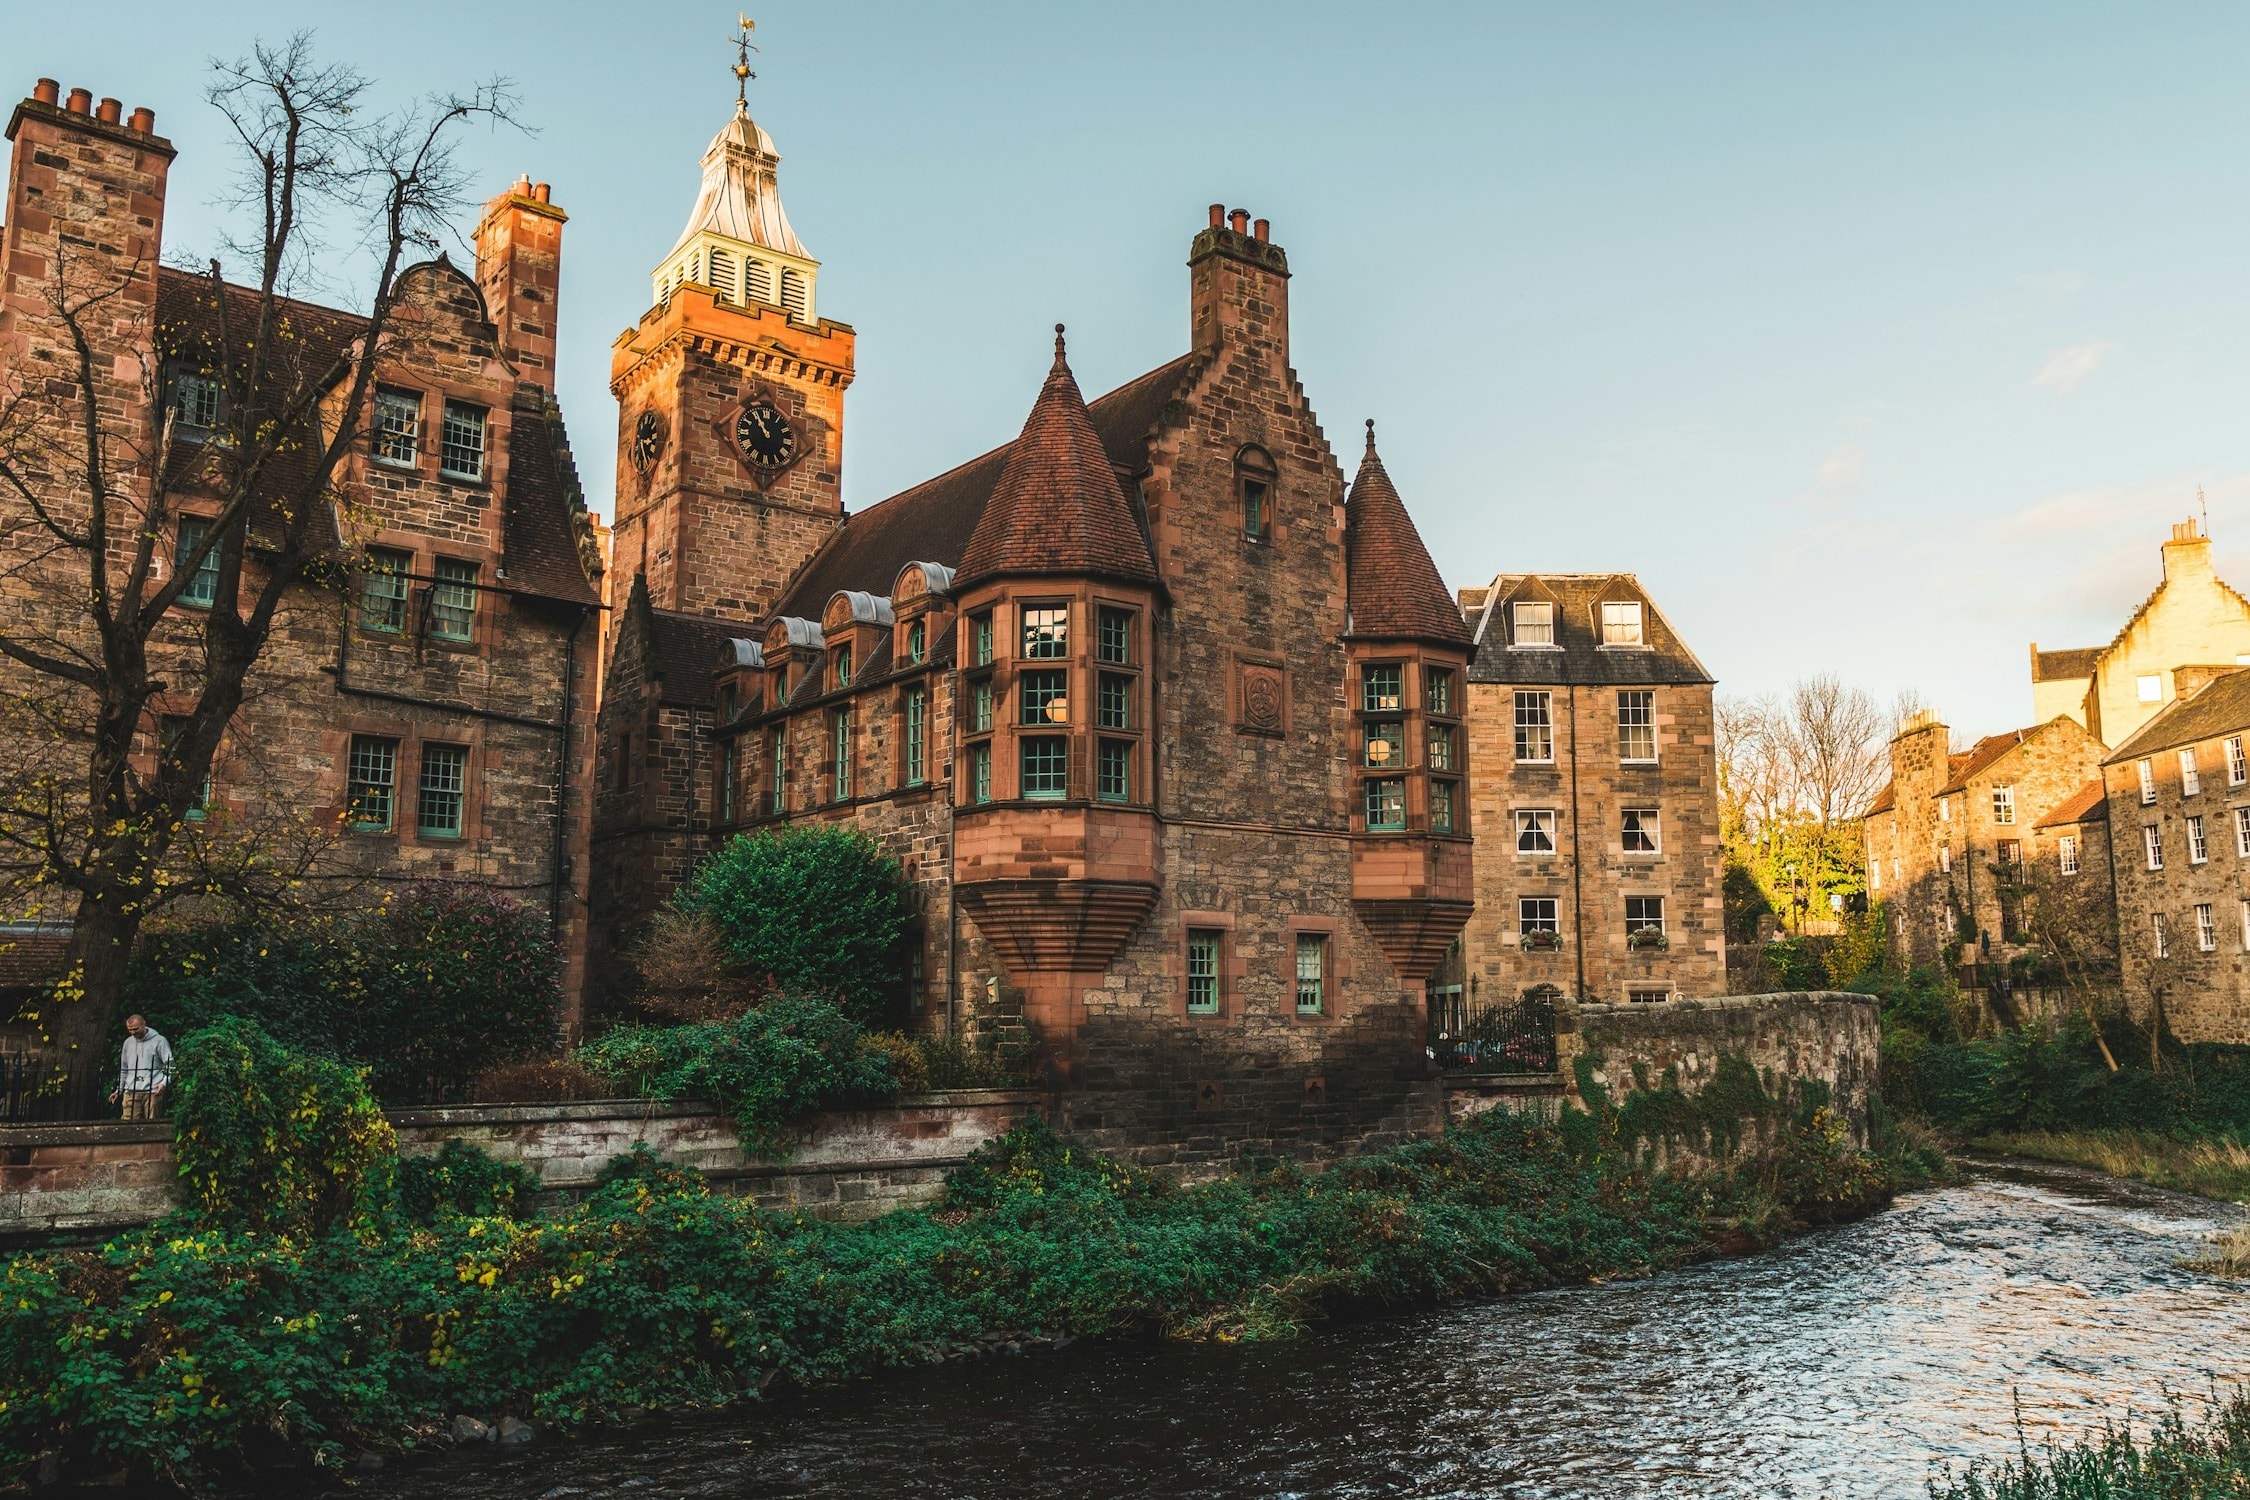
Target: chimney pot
{"x":144,"y":120}
{"x":540,"y":191}
{"x":1218,"y":214}
{"x":81,"y":100}
{"x":1240,"y":220}
{"x":1262,"y":229}
{"x":46,"y":91}
{"x":110,"y":112}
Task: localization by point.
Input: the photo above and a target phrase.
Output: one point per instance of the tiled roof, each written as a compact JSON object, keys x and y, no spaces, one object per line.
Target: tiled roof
{"x":32,"y":954}
{"x":1982,"y":755}
{"x":932,"y":522}
{"x":544,"y":506}
{"x":1578,"y":656}
{"x":2221,"y":708}
{"x":2089,"y":804}
{"x":684,"y":654}
{"x":1394,"y":589}
{"x":1885,"y":800}
{"x":2064,"y":666}
{"x":1057,"y":507}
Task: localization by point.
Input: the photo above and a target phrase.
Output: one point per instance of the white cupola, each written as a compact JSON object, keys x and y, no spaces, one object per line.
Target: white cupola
{"x":738,"y":241}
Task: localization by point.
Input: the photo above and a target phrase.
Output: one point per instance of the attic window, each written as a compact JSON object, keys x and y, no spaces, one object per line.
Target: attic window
{"x":916,"y":642}
{"x":1253,"y":479}
{"x":2151,"y":688}
{"x":1621,"y":622}
{"x":1534,"y":621}
{"x":196,"y":399}
{"x":844,"y":665}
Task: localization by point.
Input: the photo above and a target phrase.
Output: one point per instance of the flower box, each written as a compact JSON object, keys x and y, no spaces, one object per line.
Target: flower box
{"x":1540,"y":940}
{"x":1647,"y":937}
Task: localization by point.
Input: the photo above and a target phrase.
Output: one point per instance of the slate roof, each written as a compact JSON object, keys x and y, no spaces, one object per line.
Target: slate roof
{"x":1578,"y":656}
{"x":683,"y":652}
{"x":2089,"y":804}
{"x":933,"y":521}
{"x":2064,"y":666}
{"x":1395,"y":591}
{"x":2221,"y":708}
{"x":1885,"y":801}
{"x":544,"y":506}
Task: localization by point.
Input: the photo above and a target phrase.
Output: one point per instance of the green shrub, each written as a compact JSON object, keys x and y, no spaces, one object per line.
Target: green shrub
{"x":270,"y":1139}
{"x":2175,"y":1459}
{"x":460,"y":1179}
{"x":768,"y":1068}
{"x":818,"y":911}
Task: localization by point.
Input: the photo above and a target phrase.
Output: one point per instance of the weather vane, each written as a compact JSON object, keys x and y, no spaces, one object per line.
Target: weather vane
{"x":742,"y":50}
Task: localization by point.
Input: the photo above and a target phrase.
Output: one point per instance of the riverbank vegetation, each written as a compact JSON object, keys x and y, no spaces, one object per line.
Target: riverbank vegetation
{"x":355,"y":1302}
{"x":2175,"y":1457}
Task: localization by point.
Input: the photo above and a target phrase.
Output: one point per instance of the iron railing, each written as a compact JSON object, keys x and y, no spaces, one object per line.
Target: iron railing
{"x":36,"y":1088}
{"x":1515,"y":1036}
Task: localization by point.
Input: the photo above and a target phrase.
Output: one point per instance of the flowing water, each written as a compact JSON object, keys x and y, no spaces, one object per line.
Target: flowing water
{"x":1848,"y":1363}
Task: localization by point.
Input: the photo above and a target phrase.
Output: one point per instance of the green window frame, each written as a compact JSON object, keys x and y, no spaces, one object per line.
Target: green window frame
{"x":195,"y":398}
{"x":1382,"y":688}
{"x":1386,"y":802}
{"x":917,"y":640}
{"x":1441,"y":806}
{"x":1113,"y":779}
{"x":371,"y":784}
{"x":453,"y":600}
{"x":917,"y":735}
{"x":980,"y":640}
{"x":726,"y":782}
{"x":840,"y":730}
{"x":1385,"y":748}
{"x":1043,"y":696}
{"x":1046,"y":632}
{"x":442,"y":796}
{"x":1113,"y":702}
{"x":980,"y":705}
{"x":1437,"y":691}
{"x":1046,"y":767}
{"x":1113,"y":637}
{"x":780,"y":752}
{"x":1203,"y":944}
{"x":201,"y":589}
{"x":980,"y":773}
{"x":461,"y":441}
{"x":382,"y":598}
{"x":842,"y":658}
{"x":1312,"y":973}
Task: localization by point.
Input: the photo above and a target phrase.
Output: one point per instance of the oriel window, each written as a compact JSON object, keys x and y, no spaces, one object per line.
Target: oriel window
{"x":1113,"y":707}
{"x":980,"y":640}
{"x":1441,"y":806}
{"x":1046,"y":632}
{"x":980,"y":773}
{"x":1045,"y":696}
{"x":1382,"y":688}
{"x":1046,"y":766}
{"x":1386,"y":802}
{"x":1114,"y":774}
{"x":1437,"y":691}
{"x":1113,"y":640}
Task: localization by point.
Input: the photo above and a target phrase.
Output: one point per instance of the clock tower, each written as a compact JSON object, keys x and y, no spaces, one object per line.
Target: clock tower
{"x":730,"y":399}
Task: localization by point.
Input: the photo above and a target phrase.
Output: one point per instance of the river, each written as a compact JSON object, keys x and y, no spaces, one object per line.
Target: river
{"x":1845,"y":1364}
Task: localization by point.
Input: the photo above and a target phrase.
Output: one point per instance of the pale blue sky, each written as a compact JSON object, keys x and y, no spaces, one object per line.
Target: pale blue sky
{"x":1882,"y":342}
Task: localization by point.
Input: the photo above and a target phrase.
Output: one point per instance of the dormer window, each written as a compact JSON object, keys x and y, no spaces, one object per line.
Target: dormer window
{"x":1621,"y":622}
{"x":196,"y":399}
{"x":1253,"y":479}
{"x":1534,"y":621}
{"x":727,"y":704}
{"x":843,"y":665}
{"x":917,"y":643}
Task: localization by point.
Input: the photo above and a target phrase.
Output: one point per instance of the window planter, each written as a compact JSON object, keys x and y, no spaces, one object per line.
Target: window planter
{"x":1647,"y":937}
{"x":1539,"y":940}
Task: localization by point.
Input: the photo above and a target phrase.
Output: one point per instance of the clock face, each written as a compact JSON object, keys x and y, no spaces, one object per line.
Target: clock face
{"x":648,"y":441}
{"x":765,"y":437}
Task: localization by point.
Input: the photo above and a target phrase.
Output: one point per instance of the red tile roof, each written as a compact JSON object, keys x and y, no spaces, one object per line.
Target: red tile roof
{"x":1885,"y":801}
{"x":1058,"y":508}
{"x":1394,"y":589}
{"x":2089,"y":804}
{"x":1981,"y":756}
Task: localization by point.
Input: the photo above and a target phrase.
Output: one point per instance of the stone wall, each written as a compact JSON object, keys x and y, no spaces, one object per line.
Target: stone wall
{"x":1823,"y":1039}
{"x":66,"y":1180}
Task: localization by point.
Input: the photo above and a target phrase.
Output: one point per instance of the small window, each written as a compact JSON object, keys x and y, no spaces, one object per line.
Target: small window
{"x":1535,"y":726}
{"x":980,"y":773}
{"x":1113,"y":638}
{"x":726,"y":773}
{"x":2206,"y":929}
{"x":778,"y":751}
{"x":195,"y":400}
{"x":2238,"y":768}
{"x":2198,"y":850}
{"x":1113,"y":703}
{"x":727,"y":704}
{"x":1386,"y":803}
{"x":917,"y":637}
{"x":917,"y":736}
{"x":1534,"y":621}
{"x":2152,"y":845}
{"x":2151,"y":688}
{"x":1639,"y":835}
{"x":1636,"y":995}
{"x":1537,"y":914}
{"x":1644,"y":914}
{"x":2004,"y":805}
{"x":461,"y":442}
{"x":840,"y":732}
{"x":1382,"y":688}
{"x":2156,"y":920}
{"x":2246,"y":926}
{"x":1535,"y":830}
{"x":1437,"y":691}
{"x":444,"y":791}
{"x":1046,"y":766}
{"x":1945,"y":810}
{"x":371,"y":786}
{"x":202,"y":587}
{"x":170,"y":730}
{"x":1621,"y":623}
{"x":1312,"y":973}
{"x":2066,"y":853}
{"x":1254,"y":474}
{"x":980,"y":706}
{"x":1874,"y":872}
{"x":453,"y":600}
{"x":1441,"y":806}
{"x":980,"y":640}
{"x":1945,"y":859}
{"x":1386,"y":744}
{"x":1636,"y":725}
{"x":2010,"y":851}
{"x":757,"y":280}
{"x":1440,"y":748}
{"x":1113,"y":780}
{"x":1203,"y":971}
{"x":2147,"y":771}
{"x":1046,"y":632}
{"x":398,"y":426}
{"x":2191,"y":782}
{"x":382,"y":601}
{"x":2242,"y":832}
{"x":1045,"y":697}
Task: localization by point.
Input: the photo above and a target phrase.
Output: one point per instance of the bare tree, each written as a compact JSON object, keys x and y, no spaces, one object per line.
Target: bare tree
{"x":2072,"y":918}
{"x":1836,"y":739}
{"x":90,"y":498}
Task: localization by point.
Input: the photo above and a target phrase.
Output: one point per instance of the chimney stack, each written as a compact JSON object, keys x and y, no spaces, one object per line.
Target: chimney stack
{"x":1238,"y":285}
{"x":519,"y":266}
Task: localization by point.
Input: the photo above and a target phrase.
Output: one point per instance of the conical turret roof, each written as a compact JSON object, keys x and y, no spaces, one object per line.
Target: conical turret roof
{"x":741,"y":198}
{"x":1058,"y":508}
{"x":1395,"y":591}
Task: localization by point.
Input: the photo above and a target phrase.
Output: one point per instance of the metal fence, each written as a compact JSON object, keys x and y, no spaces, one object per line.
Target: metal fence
{"x":36,"y":1087}
{"x":1515,"y":1036}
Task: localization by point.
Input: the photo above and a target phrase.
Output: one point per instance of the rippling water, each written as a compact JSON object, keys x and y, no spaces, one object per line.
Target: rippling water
{"x":1846,"y":1364}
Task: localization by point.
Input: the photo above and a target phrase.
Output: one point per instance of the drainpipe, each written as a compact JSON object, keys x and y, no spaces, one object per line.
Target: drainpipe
{"x":1577,"y":862}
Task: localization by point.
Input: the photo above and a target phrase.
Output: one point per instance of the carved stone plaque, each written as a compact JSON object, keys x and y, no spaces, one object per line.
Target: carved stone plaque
{"x":1261,"y":699}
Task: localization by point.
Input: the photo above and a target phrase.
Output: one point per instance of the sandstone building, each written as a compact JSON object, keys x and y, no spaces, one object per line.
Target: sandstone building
{"x":1164,"y":719}
{"x":1595,"y":804}
{"x":429,"y":701}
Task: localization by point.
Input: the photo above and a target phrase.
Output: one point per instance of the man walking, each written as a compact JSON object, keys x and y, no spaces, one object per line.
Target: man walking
{"x":144,"y":1070}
